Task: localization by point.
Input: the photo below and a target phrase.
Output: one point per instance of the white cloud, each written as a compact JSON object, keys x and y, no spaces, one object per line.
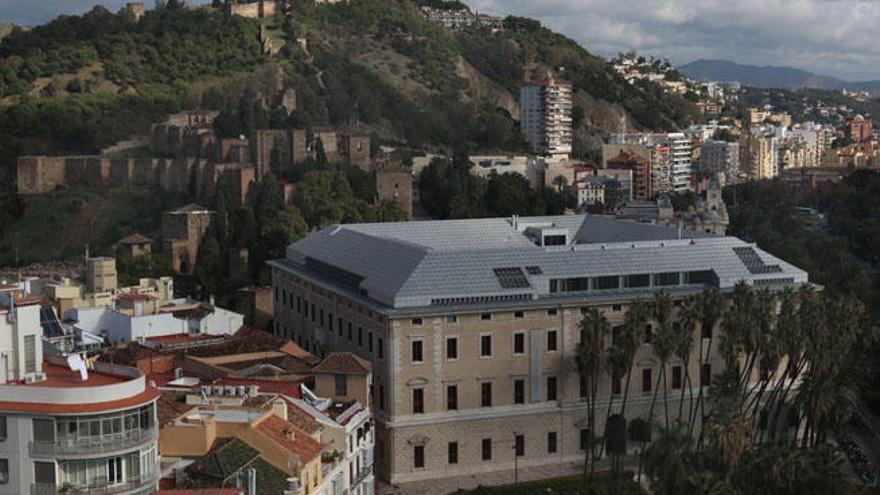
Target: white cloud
{"x":835,"y":37}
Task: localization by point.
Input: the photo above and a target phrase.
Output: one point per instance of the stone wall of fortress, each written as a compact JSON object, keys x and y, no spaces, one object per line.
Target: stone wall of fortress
{"x":39,"y":174}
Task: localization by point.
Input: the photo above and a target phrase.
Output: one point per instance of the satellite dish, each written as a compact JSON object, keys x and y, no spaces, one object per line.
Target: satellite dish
{"x":75,"y":363}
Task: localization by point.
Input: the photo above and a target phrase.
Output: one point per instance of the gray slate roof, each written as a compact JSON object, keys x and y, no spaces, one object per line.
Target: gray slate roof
{"x":412,"y":264}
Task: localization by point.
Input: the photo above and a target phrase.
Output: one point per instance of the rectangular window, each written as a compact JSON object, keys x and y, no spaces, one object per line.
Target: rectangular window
{"x":417,"y":355}
{"x":551,"y":388}
{"x":44,"y":430}
{"x":30,"y":354}
{"x":707,"y":332}
{"x":2,"y":428}
{"x":608,"y":283}
{"x":452,"y":452}
{"x":418,"y":398}
{"x":551,"y":341}
{"x":519,"y":391}
{"x":44,"y":472}
{"x":706,"y":375}
{"x":486,"y":394}
{"x":616,"y":308}
{"x":417,"y":321}
{"x":339,"y":326}
{"x":487,"y":449}
{"x":381,"y":397}
{"x":485,"y":345}
{"x":649,"y":333}
{"x":646,"y":380}
{"x":305,"y":309}
{"x":419,"y":456}
{"x":551,"y":442}
{"x":519,"y":343}
{"x":322,"y":317}
{"x":360,"y":336}
{"x":381,"y":348}
{"x":298,"y":305}
{"x":370,"y":341}
{"x":519,"y":314}
{"x":676,"y":377}
{"x":341,"y":384}
{"x":452,"y":397}
{"x":520,"y":445}
{"x":486,"y":316}
{"x":314,"y":313}
{"x":584,"y":443}
{"x":552,"y":312}
{"x":615,"y":385}
{"x":4,"y":471}
{"x":350,"y":333}
{"x":667,"y":279}
{"x":638,"y":281}
{"x":451,"y":348}
{"x":451,"y":319}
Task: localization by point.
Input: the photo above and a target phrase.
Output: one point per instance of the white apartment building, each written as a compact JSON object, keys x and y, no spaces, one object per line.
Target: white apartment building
{"x":89,"y":430}
{"x":674,"y":147}
{"x":545,"y":113}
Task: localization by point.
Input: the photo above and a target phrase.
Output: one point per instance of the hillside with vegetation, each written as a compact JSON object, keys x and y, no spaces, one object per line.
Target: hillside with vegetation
{"x":80,"y":83}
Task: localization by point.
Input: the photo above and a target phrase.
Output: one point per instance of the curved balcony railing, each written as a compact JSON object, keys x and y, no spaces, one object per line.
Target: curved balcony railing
{"x":94,"y":446}
{"x":141,"y":483}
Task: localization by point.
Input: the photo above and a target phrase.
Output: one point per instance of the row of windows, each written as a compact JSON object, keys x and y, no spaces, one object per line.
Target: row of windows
{"x":417,"y":354}
{"x":636,"y":281}
{"x":486,"y":395}
{"x":487,"y":448}
{"x":452,"y":319}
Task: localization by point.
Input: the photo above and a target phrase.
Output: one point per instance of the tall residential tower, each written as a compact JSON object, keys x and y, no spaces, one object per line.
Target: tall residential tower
{"x":545,"y":112}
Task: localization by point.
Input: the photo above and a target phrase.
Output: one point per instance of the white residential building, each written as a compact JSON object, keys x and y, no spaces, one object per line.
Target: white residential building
{"x":545,"y":109}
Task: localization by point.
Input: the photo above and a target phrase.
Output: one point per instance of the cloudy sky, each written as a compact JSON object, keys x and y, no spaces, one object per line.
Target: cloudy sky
{"x":835,"y":37}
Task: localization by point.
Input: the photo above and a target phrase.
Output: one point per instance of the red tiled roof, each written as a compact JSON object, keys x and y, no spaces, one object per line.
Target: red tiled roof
{"x":148,"y":395}
{"x":304,"y":446}
{"x":343,"y":362}
{"x":177,"y":338}
{"x":135,"y":239}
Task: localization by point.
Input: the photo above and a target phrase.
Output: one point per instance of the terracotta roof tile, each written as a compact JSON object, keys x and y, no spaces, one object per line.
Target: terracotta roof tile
{"x":135,"y":239}
{"x":304,"y":446}
{"x":343,"y":362}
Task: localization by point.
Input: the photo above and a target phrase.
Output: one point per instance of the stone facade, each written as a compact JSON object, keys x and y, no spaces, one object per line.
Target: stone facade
{"x":356,"y":150}
{"x":322,"y":320}
{"x":182,"y":232}
{"x":395,"y":185}
{"x":254,"y":10}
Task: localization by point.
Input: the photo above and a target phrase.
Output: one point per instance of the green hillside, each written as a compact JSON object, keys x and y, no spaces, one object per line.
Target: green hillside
{"x":80,"y":83}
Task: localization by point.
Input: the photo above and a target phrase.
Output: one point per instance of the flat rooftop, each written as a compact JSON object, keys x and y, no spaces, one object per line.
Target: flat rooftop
{"x":501,"y":260}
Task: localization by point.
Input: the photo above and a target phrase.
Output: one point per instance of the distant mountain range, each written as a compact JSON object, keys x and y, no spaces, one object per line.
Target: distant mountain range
{"x":771,"y":77}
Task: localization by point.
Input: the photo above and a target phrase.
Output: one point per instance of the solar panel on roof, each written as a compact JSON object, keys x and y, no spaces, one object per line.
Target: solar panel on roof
{"x":534,"y":270}
{"x":49,"y":322}
{"x":511,"y":278}
{"x":754,"y":264}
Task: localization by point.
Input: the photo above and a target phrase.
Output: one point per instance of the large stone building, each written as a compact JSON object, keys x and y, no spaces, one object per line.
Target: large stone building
{"x":69,"y":426}
{"x":545,"y":112}
{"x":395,"y":185}
{"x":472,"y":326}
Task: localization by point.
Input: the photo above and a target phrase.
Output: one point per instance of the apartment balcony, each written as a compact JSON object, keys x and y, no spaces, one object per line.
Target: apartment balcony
{"x":129,"y":486}
{"x":365,"y":472}
{"x":94,"y":446}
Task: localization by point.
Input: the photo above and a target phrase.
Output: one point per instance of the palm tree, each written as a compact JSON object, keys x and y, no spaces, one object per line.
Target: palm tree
{"x":683,"y":345}
{"x":667,"y":460}
{"x":630,"y":338}
{"x":664,"y":345}
{"x":594,"y":327}
{"x":709,"y":308}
